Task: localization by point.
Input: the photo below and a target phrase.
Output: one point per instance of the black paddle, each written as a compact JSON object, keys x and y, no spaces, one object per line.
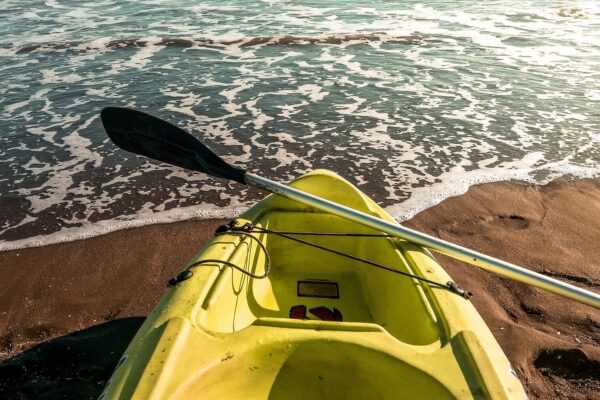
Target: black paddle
{"x":152,"y":137}
{"x":149,"y":136}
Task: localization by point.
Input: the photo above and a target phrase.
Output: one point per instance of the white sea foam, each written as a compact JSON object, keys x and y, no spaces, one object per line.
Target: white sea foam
{"x":453,"y":183}
{"x":592,"y":94}
{"x":423,"y":101}
{"x":143,"y":55}
{"x":52,"y":3}
{"x":457,"y":181}
{"x":202,"y":211}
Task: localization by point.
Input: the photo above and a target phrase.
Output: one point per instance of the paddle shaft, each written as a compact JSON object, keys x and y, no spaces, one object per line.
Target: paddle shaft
{"x":143,"y":134}
{"x":452,"y":250}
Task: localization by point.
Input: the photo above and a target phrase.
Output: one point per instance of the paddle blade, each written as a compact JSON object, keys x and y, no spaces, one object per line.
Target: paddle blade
{"x":143,"y":134}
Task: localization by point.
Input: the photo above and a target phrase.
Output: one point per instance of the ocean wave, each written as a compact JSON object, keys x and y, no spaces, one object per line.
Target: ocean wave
{"x":286,"y":40}
{"x":411,"y":103}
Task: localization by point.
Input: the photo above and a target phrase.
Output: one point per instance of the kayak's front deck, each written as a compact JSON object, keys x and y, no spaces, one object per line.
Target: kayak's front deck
{"x":277,"y":362}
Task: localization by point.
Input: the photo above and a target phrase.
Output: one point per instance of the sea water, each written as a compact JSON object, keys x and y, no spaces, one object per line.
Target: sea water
{"x":412,"y":101}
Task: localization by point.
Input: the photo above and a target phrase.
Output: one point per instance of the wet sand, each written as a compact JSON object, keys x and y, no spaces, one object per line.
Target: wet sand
{"x":69,"y":310}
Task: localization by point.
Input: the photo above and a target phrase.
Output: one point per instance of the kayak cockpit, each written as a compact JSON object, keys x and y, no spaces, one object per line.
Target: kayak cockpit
{"x":309,"y":283}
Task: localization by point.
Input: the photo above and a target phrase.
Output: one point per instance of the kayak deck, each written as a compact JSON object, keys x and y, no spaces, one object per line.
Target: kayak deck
{"x":320,"y":325}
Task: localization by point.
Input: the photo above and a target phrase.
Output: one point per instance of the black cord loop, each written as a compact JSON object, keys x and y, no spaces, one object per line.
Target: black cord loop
{"x":187,"y":273}
{"x":247,"y":229}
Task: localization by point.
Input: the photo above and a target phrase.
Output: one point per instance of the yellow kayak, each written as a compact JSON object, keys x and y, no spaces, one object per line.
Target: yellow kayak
{"x":292,"y":303}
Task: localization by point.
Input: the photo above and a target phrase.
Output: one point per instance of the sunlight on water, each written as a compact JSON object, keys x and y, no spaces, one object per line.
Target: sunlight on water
{"x":411,"y":101}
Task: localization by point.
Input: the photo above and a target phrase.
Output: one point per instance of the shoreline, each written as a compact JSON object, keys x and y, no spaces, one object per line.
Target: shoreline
{"x":51,"y":291}
{"x":455,"y":182}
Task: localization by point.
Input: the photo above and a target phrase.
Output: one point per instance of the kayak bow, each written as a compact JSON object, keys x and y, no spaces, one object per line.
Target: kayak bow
{"x":313,"y":324}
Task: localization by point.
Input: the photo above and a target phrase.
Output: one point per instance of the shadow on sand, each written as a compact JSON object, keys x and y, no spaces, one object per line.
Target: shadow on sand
{"x":74,"y":366}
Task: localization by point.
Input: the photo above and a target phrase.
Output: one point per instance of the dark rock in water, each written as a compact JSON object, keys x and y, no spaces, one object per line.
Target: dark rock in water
{"x":74,"y":366}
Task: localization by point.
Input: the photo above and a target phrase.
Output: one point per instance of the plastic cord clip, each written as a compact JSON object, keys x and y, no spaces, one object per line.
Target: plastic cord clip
{"x":233,"y":226}
{"x":453,"y":286}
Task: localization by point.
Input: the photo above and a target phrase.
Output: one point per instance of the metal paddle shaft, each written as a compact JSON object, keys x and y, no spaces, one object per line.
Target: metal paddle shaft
{"x":152,"y":137}
{"x":450,"y":249}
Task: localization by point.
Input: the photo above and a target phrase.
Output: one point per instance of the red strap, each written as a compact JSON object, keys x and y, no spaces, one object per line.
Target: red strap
{"x":298,"y":312}
{"x":325,"y":314}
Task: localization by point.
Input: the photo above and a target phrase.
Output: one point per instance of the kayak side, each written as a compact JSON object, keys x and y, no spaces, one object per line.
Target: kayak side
{"x":224,"y":334}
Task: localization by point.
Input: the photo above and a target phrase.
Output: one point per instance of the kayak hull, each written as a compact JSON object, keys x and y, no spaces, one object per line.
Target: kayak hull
{"x":320,"y":325}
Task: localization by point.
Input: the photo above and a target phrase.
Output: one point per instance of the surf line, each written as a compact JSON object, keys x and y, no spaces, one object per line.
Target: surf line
{"x":248,"y":42}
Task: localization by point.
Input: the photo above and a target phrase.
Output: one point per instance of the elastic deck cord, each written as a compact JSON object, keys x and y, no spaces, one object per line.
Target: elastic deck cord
{"x":187,"y":273}
{"x":248,"y":229}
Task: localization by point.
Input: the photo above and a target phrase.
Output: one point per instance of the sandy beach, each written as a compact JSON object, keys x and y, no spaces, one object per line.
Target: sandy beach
{"x":69,"y":310}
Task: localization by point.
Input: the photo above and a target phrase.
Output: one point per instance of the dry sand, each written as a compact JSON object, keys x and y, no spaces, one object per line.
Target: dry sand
{"x":69,"y":310}
{"x":552,"y":343}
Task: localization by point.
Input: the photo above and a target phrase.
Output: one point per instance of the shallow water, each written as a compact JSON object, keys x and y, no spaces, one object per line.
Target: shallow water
{"x":411,"y":101}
